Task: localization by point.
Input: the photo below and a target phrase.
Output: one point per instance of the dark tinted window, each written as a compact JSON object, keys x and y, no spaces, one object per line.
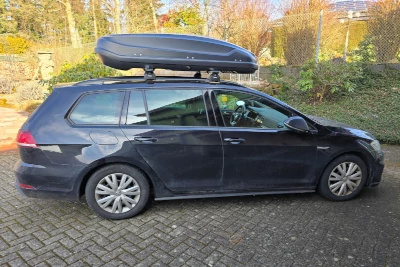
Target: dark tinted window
{"x":240,"y":109}
{"x":101,"y":108}
{"x":136,"y":111}
{"x":176,"y":107}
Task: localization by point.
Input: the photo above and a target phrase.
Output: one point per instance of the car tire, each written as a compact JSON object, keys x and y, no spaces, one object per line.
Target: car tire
{"x":343,"y":178}
{"x":117,"y":192}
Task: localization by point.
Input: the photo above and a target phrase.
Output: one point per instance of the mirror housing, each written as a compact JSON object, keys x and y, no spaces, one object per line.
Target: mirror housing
{"x":297,"y":123}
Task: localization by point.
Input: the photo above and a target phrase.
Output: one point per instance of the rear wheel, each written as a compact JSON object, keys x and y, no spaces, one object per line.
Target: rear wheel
{"x":343,"y":178}
{"x":117,"y":192}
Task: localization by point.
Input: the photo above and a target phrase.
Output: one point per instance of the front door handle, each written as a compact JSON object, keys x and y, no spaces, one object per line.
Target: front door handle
{"x":145,"y":140}
{"x":234,"y":141}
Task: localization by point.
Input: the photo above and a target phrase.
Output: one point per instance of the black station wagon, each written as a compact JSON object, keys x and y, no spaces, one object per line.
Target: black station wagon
{"x":124,"y":141}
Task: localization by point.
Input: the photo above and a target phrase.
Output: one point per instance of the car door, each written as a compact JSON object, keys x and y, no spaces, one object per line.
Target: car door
{"x":170,"y":129}
{"x":259,"y":151}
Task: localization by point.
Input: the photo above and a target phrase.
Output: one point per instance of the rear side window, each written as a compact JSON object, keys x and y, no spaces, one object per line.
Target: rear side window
{"x":98,"y":108}
{"x":176,"y":107}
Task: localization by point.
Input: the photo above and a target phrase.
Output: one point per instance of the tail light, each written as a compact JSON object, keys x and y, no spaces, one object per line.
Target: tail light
{"x":25,"y":186}
{"x":26,"y":139}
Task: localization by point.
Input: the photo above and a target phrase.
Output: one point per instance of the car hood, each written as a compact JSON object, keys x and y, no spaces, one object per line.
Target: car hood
{"x":342,"y":128}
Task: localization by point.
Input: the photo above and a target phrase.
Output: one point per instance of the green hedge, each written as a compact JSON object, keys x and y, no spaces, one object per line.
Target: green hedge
{"x":277,"y":42}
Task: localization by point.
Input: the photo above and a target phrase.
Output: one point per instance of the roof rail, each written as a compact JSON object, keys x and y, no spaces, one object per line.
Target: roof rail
{"x":150,"y":77}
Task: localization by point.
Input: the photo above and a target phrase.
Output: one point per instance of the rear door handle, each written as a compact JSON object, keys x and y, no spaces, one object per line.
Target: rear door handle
{"x":145,"y":139}
{"x":234,"y":141}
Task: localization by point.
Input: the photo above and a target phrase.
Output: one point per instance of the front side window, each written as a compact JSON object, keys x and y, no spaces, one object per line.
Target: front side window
{"x":176,"y":107}
{"x":240,"y":109}
{"x":98,"y":108}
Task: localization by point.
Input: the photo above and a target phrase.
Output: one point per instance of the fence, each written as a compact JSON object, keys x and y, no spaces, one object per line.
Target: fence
{"x":371,"y":35}
{"x":367,"y":36}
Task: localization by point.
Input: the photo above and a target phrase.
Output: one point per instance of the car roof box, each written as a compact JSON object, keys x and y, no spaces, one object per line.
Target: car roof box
{"x":174,"y":52}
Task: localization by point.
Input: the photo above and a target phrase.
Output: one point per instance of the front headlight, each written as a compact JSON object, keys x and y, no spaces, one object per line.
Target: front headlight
{"x":376,"y":146}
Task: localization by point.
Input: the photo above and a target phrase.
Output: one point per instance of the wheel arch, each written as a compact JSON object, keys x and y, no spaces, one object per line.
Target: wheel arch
{"x":353,"y":152}
{"x":81,"y":184}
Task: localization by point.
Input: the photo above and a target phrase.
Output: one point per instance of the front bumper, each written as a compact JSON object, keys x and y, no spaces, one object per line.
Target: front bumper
{"x":375,"y":174}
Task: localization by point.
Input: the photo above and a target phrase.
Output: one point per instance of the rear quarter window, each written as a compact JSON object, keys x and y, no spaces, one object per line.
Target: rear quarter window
{"x":98,"y":108}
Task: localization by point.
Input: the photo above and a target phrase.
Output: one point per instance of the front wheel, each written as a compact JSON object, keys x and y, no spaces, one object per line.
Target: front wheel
{"x":343,"y":178}
{"x":117,"y":192}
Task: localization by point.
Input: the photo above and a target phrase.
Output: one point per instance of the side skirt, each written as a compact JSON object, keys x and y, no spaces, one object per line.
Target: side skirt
{"x":234,"y":194}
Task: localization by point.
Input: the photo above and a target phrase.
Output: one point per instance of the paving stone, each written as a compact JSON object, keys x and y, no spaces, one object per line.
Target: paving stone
{"x":284,"y":230}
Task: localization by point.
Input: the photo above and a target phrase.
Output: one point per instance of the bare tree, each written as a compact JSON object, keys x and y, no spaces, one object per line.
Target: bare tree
{"x":245,"y":23}
{"x":255,"y":25}
{"x":74,"y":34}
{"x":141,"y":16}
{"x":113,"y":8}
{"x":96,"y":32}
{"x":205,"y":7}
{"x":154,"y":15}
{"x":226,"y":18}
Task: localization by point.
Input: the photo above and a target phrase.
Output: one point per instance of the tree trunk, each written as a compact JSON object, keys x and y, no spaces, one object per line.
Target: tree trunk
{"x":153,"y":11}
{"x":75,"y":38}
{"x":206,"y":17}
{"x":117,"y":16}
{"x":94,"y":20}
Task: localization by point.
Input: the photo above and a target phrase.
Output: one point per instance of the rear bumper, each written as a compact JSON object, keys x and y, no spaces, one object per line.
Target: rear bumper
{"x":33,"y":193}
{"x":54,"y":181}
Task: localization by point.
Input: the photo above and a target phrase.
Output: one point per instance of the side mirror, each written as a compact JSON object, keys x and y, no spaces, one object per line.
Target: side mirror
{"x":296,"y":123}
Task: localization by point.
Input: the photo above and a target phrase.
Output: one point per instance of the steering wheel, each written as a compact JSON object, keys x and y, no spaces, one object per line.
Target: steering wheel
{"x":237,"y":115}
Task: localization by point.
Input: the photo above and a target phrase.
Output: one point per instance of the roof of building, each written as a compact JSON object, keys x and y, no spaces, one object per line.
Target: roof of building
{"x":356,"y":6}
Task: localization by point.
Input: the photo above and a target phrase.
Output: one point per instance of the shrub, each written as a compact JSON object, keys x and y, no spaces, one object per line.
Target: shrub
{"x":30,"y":91}
{"x":3,"y":102}
{"x":324,"y":79}
{"x":365,"y":52}
{"x":6,"y":85}
{"x":91,"y":67}
{"x":14,"y":45}
{"x":279,"y":80}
